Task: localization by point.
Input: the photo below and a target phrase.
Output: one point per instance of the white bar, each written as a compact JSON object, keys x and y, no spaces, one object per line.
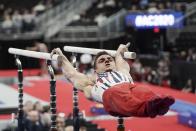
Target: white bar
{"x":34,"y":54}
{"x":93,"y":51}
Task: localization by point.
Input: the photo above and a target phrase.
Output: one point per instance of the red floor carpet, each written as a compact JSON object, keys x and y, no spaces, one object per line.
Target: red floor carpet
{"x":168,"y":123}
{"x":13,"y":73}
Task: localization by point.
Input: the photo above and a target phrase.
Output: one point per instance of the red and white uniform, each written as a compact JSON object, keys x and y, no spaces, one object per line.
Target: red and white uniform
{"x":105,"y":81}
{"x":121,"y":97}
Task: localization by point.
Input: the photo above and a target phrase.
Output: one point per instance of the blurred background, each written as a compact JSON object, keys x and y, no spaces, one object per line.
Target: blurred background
{"x":161,"y":32}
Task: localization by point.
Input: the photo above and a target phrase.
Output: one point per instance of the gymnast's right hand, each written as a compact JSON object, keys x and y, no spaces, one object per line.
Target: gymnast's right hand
{"x":57,"y":51}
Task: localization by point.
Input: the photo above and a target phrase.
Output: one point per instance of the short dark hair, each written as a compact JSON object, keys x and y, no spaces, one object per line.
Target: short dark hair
{"x":98,"y":55}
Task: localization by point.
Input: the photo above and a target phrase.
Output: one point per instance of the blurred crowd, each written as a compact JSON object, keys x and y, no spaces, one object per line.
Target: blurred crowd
{"x":17,"y":22}
{"x":188,"y":55}
{"x":38,"y":118}
{"x":97,"y":13}
{"x":15,"y":19}
{"x":102,"y":9}
{"x":22,"y":19}
{"x":155,"y":6}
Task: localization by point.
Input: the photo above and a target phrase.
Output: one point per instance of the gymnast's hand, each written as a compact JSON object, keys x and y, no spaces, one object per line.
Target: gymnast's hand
{"x":57,"y":51}
{"x":123,"y":48}
{"x":60,"y":54}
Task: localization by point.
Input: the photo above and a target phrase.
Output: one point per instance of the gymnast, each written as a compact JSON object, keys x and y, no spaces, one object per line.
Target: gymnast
{"x":112,"y":85}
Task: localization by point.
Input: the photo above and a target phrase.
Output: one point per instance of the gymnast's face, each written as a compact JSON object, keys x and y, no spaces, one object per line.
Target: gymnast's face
{"x":105,"y":63}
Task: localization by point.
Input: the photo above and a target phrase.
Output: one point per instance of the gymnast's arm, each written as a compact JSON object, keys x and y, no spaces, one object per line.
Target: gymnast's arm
{"x":79,"y":80}
{"x":121,"y":63}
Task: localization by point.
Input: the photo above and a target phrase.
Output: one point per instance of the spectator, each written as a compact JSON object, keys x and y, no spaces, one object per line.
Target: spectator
{"x":7,"y":24}
{"x":60,"y":120}
{"x":17,"y":21}
{"x":69,"y":128}
{"x":137,"y":70}
{"x":28,"y":21}
{"x":191,"y":55}
{"x":189,"y":87}
{"x":110,"y":3}
{"x":46,"y":121}
{"x":152,"y":8}
{"x":163,"y":71}
{"x":38,"y":106}
{"x":153,"y":77}
{"x":33,"y":122}
{"x":161,"y":7}
{"x":83,"y":128}
{"x":143,"y":4}
{"x":100,"y":19}
{"x":146,"y":74}
{"x":178,"y":6}
{"x":168,"y":5}
{"x":39,"y":8}
{"x":28,"y":106}
{"x":182,"y":55}
{"x":134,"y":8}
{"x":101,"y":4}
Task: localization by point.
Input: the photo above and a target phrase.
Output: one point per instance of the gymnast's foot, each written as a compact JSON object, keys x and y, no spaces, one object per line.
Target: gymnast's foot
{"x":159,"y":106}
{"x":166,"y":102}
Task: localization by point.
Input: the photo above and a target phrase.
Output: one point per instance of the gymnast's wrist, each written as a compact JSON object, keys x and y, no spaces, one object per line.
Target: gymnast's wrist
{"x":119,"y":53}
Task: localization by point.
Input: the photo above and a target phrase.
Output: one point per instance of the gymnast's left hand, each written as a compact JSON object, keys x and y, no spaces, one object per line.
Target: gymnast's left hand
{"x":123,"y":48}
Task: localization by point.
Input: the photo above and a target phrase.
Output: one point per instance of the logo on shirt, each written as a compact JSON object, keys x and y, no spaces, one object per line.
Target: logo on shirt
{"x":104,"y":74}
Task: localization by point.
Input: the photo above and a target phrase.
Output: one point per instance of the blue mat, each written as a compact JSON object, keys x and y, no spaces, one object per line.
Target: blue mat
{"x":183,"y":106}
{"x":186,"y":113}
{"x":187,"y":118}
